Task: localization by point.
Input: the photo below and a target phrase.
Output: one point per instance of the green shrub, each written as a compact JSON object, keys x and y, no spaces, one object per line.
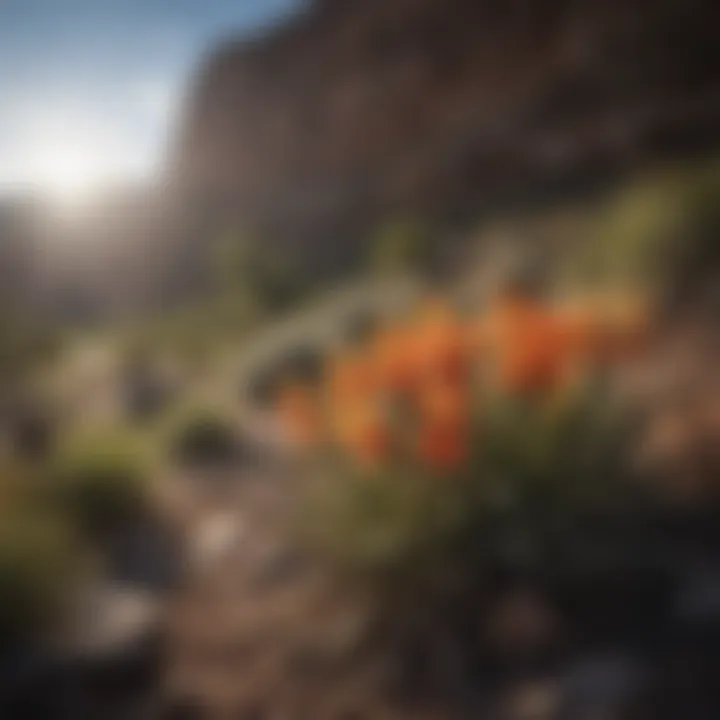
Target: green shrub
{"x":40,"y":566}
{"x":101,"y":484}
{"x":386,"y":526}
{"x":203,"y":437}
{"x":660,"y":232}
{"x":535,"y":471}
{"x":545,"y":465}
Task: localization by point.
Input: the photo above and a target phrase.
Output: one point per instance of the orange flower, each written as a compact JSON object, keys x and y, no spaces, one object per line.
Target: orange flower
{"x":351,"y":377}
{"x":300,"y":415}
{"x":363,"y":431}
{"x":395,"y":359}
{"x":477,"y":337}
{"x":531,"y":345}
{"x":446,"y":404}
{"x":442,"y":348}
{"x":443,"y":446}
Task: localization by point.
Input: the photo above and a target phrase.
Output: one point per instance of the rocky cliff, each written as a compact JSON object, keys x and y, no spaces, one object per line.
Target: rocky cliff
{"x":357,"y":109}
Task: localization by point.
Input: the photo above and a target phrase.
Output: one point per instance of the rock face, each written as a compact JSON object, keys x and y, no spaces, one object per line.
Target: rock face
{"x":357,"y":109}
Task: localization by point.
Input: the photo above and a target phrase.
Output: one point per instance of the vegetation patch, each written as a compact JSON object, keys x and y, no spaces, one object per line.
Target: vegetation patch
{"x":101,"y":484}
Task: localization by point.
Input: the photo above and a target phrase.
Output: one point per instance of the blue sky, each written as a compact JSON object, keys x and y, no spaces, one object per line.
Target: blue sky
{"x":88,"y":88}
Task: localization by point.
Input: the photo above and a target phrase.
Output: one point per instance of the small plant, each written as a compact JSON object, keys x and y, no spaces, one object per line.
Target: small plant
{"x":203,"y":437}
{"x":41,"y":562}
{"x":443,"y":434}
{"x":659,"y":232}
{"x":100,"y":484}
{"x":40,"y":566}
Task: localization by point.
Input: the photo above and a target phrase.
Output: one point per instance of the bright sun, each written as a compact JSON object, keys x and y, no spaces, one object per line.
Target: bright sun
{"x":71,"y":168}
{"x":72,"y":172}
{"x":70,"y":150}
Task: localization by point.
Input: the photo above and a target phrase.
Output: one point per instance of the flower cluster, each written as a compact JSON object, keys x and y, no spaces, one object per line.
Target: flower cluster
{"x":414,"y":392}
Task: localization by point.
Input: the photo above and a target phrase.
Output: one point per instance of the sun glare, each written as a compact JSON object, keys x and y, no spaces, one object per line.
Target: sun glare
{"x":71,"y":169}
{"x":72,"y":173}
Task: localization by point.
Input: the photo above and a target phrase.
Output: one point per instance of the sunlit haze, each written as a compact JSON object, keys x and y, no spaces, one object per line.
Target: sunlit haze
{"x":89,"y":91}
{"x":70,"y":162}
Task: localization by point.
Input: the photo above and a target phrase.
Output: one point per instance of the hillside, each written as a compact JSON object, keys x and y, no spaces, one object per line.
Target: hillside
{"x":318,"y":132}
{"x":357,"y":110}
